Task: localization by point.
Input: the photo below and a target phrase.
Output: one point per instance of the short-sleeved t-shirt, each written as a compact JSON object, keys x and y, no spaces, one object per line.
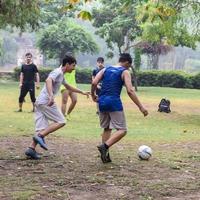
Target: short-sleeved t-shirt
{"x":58,"y":79}
{"x":70,"y":78}
{"x":29,"y":72}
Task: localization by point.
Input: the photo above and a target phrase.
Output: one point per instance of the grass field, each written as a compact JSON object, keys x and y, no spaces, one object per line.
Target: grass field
{"x":71,"y":169}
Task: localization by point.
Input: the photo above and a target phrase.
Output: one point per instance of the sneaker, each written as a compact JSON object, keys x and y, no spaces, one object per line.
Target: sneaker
{"x":31,"y":153}
{"x":20,"y":110}
{"x":104,"y":153}
{"x":40,"y":140}
{"x":108,"y":158}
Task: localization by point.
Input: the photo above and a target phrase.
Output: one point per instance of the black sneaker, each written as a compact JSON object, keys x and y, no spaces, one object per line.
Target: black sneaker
{"x":108,"y":157}
{"x":20,"y":110}
{"x":104,"y":153}
{"x":31,"y":153}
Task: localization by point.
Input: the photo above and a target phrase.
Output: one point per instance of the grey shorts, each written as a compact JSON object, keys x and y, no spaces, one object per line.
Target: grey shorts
{"x":44,"y":114}
{"x":113,"y":120}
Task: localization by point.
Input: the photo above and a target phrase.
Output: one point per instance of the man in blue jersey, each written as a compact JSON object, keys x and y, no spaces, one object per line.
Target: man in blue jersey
{"x":111,"y":109}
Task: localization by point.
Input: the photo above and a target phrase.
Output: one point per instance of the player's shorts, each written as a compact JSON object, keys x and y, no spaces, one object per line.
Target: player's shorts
{"x":113,"y":120}
{"x":44,"y":114}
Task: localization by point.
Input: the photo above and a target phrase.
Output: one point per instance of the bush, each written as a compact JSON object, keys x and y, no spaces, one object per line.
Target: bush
{"x":43,"y":73}
{"x":82,"y":75}
{"x":177,"y":79}
{"x":195,"y":80}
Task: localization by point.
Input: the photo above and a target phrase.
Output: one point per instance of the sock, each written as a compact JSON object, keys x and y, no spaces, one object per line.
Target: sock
{"x":106,"y":146}
{"x":40,"y":135}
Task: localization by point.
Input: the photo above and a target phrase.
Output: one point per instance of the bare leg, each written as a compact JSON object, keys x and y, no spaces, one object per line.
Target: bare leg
{"x":73,"y":97}
{"x":33,"y":144}
{"x":106,"y":135}
{"x":97,"y":104}
{"x":118,"y":135}
{"x":51,"y":128}
{"x":65,"y":95}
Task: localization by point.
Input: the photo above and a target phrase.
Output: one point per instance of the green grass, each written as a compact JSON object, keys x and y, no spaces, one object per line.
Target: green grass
{"x":183,"y":124}
{"x":65,"y":172}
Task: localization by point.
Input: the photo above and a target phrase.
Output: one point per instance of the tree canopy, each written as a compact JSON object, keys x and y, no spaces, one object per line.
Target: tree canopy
{"x":19,"y":13}
{"x":65,"y":36}
{"x":115,"y":24}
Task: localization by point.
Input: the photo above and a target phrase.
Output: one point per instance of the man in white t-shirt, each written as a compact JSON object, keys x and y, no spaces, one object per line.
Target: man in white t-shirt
{"x":46,"y":109}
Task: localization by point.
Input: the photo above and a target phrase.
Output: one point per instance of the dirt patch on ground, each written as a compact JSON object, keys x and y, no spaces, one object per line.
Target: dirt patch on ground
{"x":72,"y":170}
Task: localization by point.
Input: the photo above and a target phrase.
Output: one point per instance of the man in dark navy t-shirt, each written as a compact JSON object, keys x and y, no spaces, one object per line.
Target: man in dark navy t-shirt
{"x":27,"y":81}
{"x":100,"y":66}
{"x":110,"y":105}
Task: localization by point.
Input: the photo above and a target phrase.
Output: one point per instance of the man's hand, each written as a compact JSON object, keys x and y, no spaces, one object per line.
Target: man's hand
{"x":51,"y":101}
{"x":20,"y":85}
{"x":86,"y":93}
{"x":95,"y":98}
{"x":144,"y":111}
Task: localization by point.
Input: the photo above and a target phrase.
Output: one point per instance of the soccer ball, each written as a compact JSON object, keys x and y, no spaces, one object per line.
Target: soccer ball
{"x":144,"y":152}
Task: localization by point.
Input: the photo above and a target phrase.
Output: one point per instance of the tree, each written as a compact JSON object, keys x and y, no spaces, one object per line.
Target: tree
{"x":19,"y":13}
{"x":116,"y":24}
{"x":65,"y":36}
{"x":164,"y":23}
{"x":71,"y":5}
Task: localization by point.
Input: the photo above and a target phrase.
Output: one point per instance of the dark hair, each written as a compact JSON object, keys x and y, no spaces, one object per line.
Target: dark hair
{"x":29,"y":54}
{"x":68,"y":59}
{"x":125,"y":57}
{"x":100,"y":59}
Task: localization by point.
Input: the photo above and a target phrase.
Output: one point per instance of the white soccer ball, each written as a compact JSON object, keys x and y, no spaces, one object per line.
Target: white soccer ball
{"x":144,"y":152}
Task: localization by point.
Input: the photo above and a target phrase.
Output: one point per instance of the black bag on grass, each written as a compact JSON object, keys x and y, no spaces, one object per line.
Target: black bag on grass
{"x":164,"y":106}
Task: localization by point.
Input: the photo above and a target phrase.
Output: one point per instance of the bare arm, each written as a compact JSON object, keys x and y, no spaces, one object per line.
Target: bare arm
{"x":93,"y":78}
{"x":130,"y":91}
{"x":21,"y":78}
{"x":37,"y":80}
{"x":95,"y":82}
{"x":49,"y":82}
{"x":73,"y":89}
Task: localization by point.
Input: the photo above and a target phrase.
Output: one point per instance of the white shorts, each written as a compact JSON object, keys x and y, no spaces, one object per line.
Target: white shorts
{"x":44,"y":114}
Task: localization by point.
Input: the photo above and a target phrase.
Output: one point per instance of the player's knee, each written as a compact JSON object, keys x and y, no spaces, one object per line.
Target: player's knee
{"x":123,"y":132}
{"x":62,"y":124}
{"x":74,"y":101}
{"x":64,"y":100}
{"x":107,"y":129}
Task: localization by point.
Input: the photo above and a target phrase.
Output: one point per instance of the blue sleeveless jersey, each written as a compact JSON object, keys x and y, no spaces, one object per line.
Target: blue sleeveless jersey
{"x":112,"y":83}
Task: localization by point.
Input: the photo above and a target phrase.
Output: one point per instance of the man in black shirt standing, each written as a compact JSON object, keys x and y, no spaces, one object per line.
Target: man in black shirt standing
{"x":27,"y":81}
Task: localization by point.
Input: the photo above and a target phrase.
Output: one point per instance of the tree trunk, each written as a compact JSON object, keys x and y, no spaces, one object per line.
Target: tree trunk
{"x":155,"y":59}
{"x":126,"y":43}
{"x":134,"y":79}
{"x":181,"y":57}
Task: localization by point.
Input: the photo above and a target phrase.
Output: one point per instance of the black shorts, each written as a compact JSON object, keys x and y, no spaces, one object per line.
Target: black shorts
{"x":27,"y":87}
